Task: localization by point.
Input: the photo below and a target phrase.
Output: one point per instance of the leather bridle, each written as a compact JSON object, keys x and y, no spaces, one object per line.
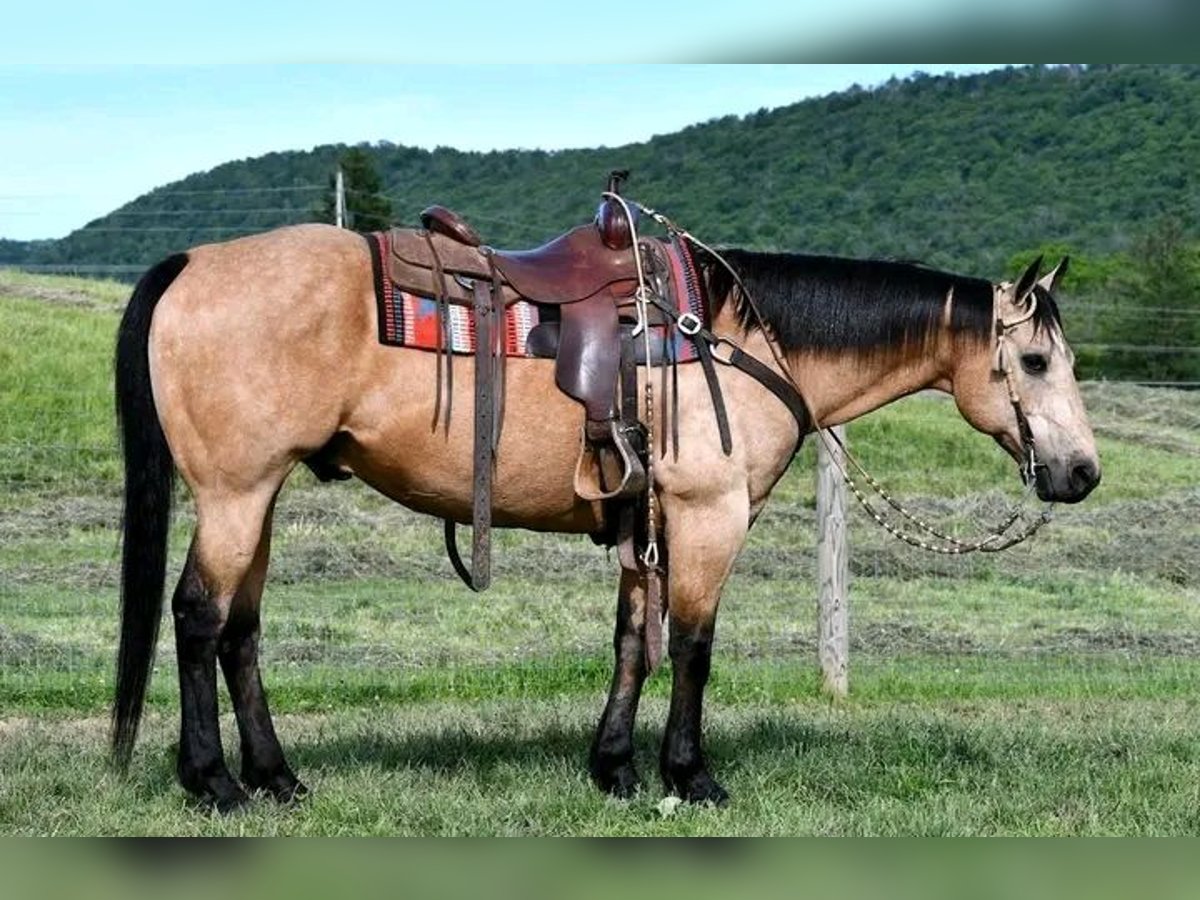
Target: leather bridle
{"x":1003,"y":365}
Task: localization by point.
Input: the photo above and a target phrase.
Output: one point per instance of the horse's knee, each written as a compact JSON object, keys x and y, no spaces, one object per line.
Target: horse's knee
{"x":690,"y":649}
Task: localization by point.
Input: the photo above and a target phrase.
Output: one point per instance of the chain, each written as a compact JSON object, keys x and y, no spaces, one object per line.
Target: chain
{"x":952,"y":546}
{"x":650,"y":557}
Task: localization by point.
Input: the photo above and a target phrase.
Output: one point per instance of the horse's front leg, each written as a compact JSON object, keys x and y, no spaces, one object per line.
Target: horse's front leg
{"x":611,"y":761}
{"x":703,"y":541}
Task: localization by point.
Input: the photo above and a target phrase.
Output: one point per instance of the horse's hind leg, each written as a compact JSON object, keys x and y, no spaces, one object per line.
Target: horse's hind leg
{"x":223,"y":550}
{"x":611,"y":760}
{"x":263,"y":765}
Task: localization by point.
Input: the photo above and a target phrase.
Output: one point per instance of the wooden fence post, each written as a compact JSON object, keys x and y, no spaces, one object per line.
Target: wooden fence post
{"x":833,"y":634}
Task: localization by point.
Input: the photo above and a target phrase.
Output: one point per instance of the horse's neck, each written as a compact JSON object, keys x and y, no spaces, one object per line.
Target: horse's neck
{"x":844,"y":385}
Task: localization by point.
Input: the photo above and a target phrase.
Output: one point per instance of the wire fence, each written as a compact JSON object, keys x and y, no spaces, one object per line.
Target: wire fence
{"x":361,"y":584}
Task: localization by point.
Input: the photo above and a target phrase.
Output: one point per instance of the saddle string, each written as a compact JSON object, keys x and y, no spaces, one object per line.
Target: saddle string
{"x":953,"y":545}
{"x":499,"y":350}
{"x":443,"y":338}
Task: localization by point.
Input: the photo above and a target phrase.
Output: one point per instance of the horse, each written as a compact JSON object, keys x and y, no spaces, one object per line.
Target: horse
{"x":237,"y":361}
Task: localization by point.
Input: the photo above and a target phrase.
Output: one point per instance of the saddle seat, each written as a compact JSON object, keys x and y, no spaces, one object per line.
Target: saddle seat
{"x":573,"y":267}
{"x":576,"y":272}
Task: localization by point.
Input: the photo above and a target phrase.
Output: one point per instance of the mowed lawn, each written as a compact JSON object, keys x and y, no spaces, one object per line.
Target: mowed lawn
{"x":1048,"y":690}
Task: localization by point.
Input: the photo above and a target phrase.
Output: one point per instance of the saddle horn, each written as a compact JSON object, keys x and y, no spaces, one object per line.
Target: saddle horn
{"x":616,"y":231}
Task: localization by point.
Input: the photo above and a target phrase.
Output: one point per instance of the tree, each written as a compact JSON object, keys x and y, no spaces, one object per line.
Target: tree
{"x":1164,"y":289}
{"x":367,"y":209}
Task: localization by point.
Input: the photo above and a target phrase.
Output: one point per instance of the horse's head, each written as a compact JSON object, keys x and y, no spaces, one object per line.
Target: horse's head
{"x":1022,"y":390}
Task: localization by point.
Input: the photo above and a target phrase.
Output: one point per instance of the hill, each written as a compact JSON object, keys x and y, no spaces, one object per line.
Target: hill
{"x":961,"y":172}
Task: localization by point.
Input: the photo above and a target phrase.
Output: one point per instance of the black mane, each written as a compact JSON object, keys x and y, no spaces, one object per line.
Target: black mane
{"x":831,"y":304}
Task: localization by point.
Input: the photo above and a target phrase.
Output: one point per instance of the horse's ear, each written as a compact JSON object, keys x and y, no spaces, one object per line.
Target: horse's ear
{"x":1051,"y":280}
{"x":1027,"y":281}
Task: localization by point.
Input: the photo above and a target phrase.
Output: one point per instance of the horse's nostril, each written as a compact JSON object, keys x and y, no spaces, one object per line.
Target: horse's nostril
{"x":1084,"y":475}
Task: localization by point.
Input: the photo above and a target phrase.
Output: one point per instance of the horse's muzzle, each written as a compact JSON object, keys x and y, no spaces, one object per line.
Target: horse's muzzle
{"x":1068,"y":483}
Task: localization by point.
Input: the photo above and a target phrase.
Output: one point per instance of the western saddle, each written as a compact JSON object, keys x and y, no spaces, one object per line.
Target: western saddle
{"x":587,"y":274}
{"x":591,"y":277}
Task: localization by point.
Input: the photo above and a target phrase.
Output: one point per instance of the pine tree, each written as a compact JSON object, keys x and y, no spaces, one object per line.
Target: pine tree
{"x":367,"y":209}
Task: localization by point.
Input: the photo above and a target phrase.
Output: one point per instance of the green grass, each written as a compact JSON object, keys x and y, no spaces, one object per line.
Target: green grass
{"x":1047,"y":690}
{"x":488,"y":766}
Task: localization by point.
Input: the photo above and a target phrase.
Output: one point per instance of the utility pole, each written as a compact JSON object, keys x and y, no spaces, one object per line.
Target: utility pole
{"x":340,"y":199}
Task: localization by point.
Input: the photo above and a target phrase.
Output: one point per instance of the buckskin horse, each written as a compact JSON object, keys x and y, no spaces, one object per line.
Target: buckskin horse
{"x":236,"y":361}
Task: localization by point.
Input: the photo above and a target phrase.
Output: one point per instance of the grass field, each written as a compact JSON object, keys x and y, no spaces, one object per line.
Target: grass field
{"x":1049,"y":690}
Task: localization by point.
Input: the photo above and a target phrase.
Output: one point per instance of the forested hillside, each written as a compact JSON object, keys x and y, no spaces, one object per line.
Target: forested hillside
{"x":970,"y":173}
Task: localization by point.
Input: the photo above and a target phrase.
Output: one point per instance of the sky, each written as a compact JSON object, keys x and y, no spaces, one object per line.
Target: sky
{"x":81,"y":140}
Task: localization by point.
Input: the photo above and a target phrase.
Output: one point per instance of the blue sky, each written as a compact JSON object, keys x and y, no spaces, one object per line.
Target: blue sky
{"x":79,"y":141}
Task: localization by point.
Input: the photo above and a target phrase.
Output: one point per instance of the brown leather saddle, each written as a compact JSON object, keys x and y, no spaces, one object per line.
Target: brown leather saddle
{"x":588,"y":273}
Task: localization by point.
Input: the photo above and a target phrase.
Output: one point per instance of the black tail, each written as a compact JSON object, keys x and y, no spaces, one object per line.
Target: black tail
{"x":149,"y":481}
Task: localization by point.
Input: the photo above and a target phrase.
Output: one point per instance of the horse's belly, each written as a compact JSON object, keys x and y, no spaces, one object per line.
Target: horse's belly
{"x":393,"y":445}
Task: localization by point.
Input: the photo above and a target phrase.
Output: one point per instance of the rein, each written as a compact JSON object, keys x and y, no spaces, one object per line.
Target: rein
{"x":788,"y":391}
{"x":997,"y":538}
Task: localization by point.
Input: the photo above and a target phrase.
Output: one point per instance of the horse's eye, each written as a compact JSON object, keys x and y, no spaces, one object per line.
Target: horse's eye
{"x":1034,"y":363}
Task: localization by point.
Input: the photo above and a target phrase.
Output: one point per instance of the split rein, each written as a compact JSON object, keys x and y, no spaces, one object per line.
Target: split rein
{"x":927,"y":537}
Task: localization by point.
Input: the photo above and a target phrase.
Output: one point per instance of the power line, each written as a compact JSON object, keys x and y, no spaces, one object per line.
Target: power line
{"x":1131,"y":309}
{"x":1139,"y":348}
{"x":248,"y":190}
{"x":192,"y":192}
{"x":169,"y":229}
{"x":227,"y":211}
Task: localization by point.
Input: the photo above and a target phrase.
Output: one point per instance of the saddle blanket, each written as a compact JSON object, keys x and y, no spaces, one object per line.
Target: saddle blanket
{"x":410,"y":320}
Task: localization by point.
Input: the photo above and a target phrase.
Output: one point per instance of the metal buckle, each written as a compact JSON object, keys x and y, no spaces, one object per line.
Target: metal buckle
{"x":713,"y":345}
{"x":689,"y":323}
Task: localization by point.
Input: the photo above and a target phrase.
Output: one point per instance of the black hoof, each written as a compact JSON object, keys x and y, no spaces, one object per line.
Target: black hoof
{"x":283,"y":786}
{"x":227,"y":802}
{"x":213,"y":789}
{"x":699,"y":788}
{"x":620,"y":780}
{"x":224,"y":795}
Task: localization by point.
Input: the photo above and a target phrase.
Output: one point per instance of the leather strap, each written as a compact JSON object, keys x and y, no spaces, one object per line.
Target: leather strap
{"x":777,"y":385}
{"x":456,"y":560}
{"x":654,"y":620}
{"x":499,"y":350}
{"x":443,"y":338}
{"x":484,"y":456}
{"x":704,"y":354}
